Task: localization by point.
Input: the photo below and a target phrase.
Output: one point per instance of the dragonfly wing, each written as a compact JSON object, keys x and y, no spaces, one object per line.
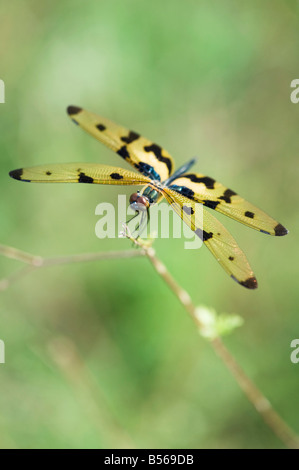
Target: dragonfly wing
{"x":79,"y":173}
{"x":147,"y":157}
{"x":209,"y":192}
{"x":215,"y":236}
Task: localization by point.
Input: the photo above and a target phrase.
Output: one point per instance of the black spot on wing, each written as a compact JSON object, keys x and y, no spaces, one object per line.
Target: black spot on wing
{"x":203,"y":234}
{"x":280,"y":230}
{"x":188,"y":210}
{"x":228,"y":193}
{"x":83,"y":178}
{"x":249,"y":214}
{"x":157,"y":151}
{"x":231,"y":258}
{"x":207,"y":235}
{"x":131,"y":137}
{"x":116,"y":176}
{"x":206,"y":180}
{"x":211,"y":204}
{"x":16,"y":174}
{"x":123,"y":152}
{"x":250,"y":283}
{"x":101,"y":127}
{"x":71,"y":110}
{"x":48,"y":173}
{"x":187,"y":193}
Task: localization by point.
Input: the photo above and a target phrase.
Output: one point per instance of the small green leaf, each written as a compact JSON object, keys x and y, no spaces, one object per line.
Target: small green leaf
{"x":213,"y":325}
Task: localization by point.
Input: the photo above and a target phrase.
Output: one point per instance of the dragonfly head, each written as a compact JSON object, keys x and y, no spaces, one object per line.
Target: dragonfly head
{"x":139,"y":202}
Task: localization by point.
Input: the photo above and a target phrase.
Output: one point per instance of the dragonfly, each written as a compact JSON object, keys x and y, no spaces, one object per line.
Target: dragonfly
{"x":182,"y":189}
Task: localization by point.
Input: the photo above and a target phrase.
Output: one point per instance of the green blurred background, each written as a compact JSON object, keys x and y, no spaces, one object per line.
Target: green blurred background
{"x":102,"y":354}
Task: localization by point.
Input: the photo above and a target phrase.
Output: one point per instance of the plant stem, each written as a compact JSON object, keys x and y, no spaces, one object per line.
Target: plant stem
{"x":254,"y":395}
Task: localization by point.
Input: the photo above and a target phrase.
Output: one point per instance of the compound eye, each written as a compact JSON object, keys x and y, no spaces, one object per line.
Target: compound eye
{"x":143,"y":200}
{"x":134,"y":197}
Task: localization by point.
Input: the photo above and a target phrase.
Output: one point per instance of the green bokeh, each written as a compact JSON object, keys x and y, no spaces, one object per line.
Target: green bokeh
{"x":102,"y":354}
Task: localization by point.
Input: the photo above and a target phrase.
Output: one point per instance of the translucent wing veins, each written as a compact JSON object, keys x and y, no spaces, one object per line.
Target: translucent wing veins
{"x":206,"y":190}
{"x":147,"y":157}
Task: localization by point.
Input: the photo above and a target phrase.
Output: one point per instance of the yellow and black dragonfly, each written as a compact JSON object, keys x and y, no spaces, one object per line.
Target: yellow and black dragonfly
{"x":182,"y":189}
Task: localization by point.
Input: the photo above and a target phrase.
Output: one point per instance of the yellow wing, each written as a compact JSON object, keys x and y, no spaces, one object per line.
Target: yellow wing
{"x":215,"y":236}
{"x":209,"y":192}
{"x":78,"y":173}
{"x":148,"y":158}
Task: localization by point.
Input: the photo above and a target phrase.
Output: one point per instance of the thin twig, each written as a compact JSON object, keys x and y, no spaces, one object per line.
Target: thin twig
{"x":254,"y":395}
{"x":5,"y":283}
{"x":34,"y":262}
{"x":19,"y":255}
